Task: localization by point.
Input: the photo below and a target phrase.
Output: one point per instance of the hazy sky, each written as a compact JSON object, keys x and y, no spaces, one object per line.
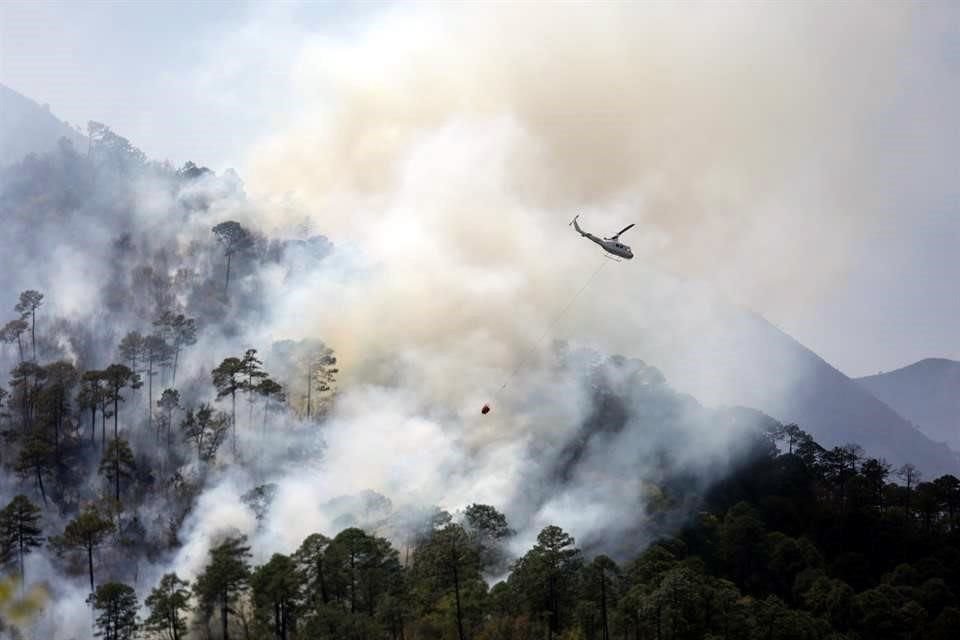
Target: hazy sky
{"x":203,"y":80}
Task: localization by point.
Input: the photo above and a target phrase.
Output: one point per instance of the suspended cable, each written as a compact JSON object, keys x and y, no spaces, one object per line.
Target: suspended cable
{"x":549,"y":329}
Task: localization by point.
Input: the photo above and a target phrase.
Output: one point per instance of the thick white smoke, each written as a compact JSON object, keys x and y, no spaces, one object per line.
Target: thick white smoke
{"x":447,"y":147}
{"x":733,"y":133}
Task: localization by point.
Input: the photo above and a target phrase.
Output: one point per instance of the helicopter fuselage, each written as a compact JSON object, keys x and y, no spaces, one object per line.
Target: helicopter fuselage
{"x":616,"y":248}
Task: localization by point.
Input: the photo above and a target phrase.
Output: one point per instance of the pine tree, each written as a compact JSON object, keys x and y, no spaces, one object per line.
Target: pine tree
{"x":36,"y":459}
{"x":30,"y":301}
{"x":19,"y":532}
{"x":117,"y":603}
{"x":169,"y":402}
{"x":224,"y":580}
{"x":446,"y":563}
{"x":86,"y":532}
{"x":156,"y":352}
{"x":13,"y":332}
{"x":207,"y":429}
{"x":117,"y":462}
{"x":276,"y":590}
{"x":228,"y":379}
{"x":179,"y":331}
{"x":251,"y":368}
{"x":168,"y":603}
{"x":234,"y":238}
{"x":116,"y":378}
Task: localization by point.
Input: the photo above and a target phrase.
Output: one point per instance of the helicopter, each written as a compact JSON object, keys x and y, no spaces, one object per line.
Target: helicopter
{"x":610,"y":245}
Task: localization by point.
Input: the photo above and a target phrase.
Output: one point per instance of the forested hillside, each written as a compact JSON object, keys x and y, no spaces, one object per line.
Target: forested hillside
{"x":800,"y":543}
{"x":166,"y":451}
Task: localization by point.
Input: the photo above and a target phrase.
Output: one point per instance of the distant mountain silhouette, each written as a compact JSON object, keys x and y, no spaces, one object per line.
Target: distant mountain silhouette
{"x":927,"y":393}
{"x":752,"y":363}
{"x":28,"y":127}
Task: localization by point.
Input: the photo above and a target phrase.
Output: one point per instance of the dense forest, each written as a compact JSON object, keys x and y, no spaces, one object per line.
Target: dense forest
{"x":116,"y":420}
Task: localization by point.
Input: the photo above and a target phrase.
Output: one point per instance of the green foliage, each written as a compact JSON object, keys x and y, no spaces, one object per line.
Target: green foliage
{"x":19,"y":530}
{"x":13,"y":332}
{"x":26,"y":380}
{"x":117,"y":463}
{"x":259,"y":499}
{"x":234,"y":238}
{"x":36,"y":460}
{"x":116,"y":378}
{"x":250,"y":366}
{"x":489,"y":532}
{"x":270,"y":390}
{"x":447,"y":568}
{"x":86,"y":532}
{"x":131,"y":349}
{"x":206,"y":429}
{"x":546,"y":576}
{"x":360,"y":569}
{"x":168,"y":604}
{"x":179,"y":331}
{"x":92,"y":395}
{"x":310,"y":560}
{"x":117,"y":604}
{"x":27,"y":306}
{"x":227,"y":377}
{"x":277,"y":592}
{"x":224,"y":580}
{"x":169,"y":400}
{"x":156,"y":352}
{"x":168,"y":403}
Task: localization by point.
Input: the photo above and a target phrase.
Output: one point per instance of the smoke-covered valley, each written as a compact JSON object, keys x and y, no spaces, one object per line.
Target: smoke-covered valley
{"x":398,"y":256}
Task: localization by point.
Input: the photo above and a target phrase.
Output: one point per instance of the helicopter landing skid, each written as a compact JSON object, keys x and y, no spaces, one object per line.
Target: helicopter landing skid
{"x":608,"y":257}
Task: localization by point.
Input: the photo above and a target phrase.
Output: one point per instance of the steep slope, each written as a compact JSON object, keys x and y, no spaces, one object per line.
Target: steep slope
{"x":927,"y":393}
{"x":634,"y":466}
{"x":27,"y":127}
{"x":755,"y":364}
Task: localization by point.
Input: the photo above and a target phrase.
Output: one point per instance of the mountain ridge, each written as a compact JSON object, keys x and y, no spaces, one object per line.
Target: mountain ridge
{"x":27,"y":127}
{"x":926,"y":392}
{"x":759,"y":365}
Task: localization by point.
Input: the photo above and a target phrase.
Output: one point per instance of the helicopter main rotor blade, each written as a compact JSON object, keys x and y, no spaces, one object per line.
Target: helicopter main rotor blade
{"x":626,"y":228}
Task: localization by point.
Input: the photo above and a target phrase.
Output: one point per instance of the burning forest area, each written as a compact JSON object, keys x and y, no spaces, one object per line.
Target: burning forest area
{"x":473,"y":344}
